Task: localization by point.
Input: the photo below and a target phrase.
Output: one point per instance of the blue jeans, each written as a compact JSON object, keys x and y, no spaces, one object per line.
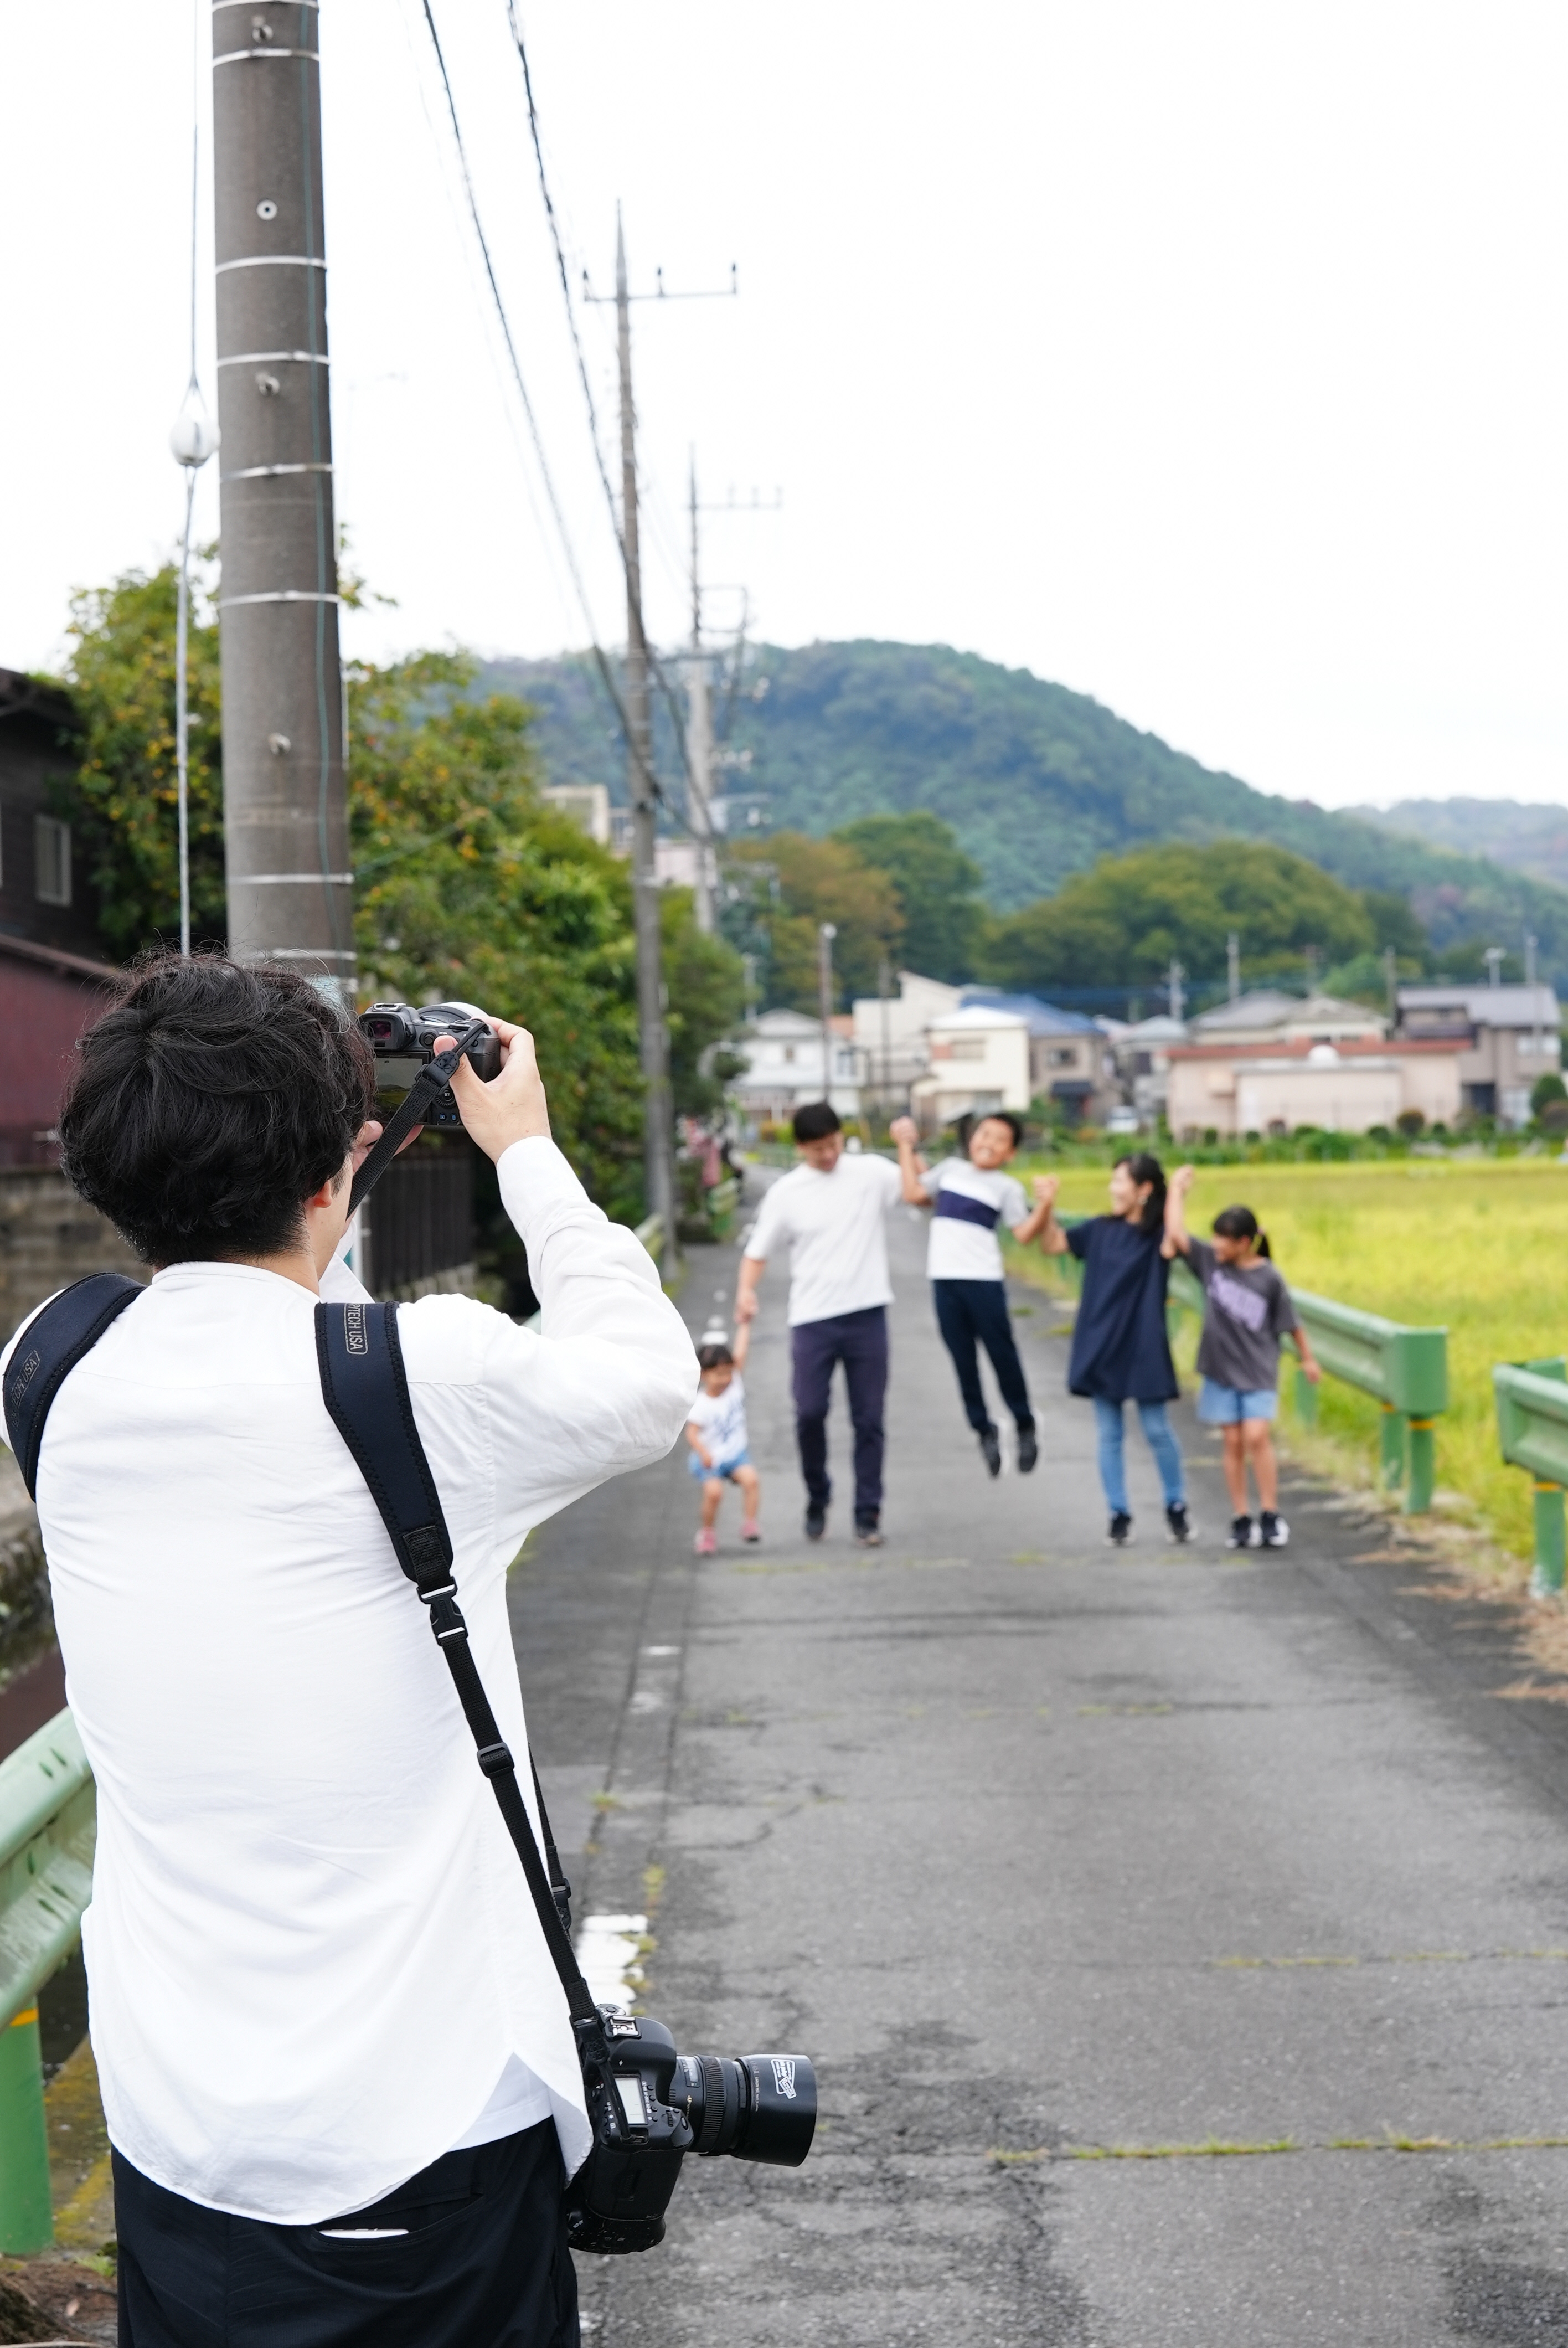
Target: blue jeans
{"x":1161,"y":1441}
{"x":858,"y":1340}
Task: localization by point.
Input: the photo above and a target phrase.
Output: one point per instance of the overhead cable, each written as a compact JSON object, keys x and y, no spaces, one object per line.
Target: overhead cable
{"x":616,"y":522}
{"x":606,"y":677}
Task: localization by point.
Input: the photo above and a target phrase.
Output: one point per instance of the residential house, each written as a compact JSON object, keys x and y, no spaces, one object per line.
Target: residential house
{"x":890,"y":1035}
{"x":784,"y":1068}
{"x":1268,"y":1017}
{"x":1142,"y":1057}
{"x":1506,"y":1038}
{"x":1275,"y":1086}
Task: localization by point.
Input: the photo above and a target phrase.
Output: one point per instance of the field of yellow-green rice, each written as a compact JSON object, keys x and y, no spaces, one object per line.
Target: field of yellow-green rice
{"x":1479,"y":1246}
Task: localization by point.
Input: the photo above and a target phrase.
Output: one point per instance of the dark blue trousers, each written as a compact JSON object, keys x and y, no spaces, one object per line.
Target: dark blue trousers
{"x":478,"y":2260}
{"x":973,"y":1312}
{"x":858,"y":1340}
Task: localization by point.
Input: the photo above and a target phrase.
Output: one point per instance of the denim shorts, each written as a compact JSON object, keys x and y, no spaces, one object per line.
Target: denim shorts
{"x":1228,"y":1405}
{"x":724,"y":1467}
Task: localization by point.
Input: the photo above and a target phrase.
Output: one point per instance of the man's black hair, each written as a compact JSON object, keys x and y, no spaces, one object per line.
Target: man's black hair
{"x":815,"y":1121}
{"x":1145,"y":1168}
{"x":208,"y":1103}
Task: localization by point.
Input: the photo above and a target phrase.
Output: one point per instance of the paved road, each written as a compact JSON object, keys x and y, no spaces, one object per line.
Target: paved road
{"x":1041,"y":1850}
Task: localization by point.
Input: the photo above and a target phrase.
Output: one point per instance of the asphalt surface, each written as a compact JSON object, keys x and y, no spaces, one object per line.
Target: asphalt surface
{"x":1045,"y":1851}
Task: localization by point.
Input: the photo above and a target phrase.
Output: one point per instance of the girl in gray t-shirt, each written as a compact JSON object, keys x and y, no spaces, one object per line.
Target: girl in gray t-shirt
{"x":1246,"y":1311}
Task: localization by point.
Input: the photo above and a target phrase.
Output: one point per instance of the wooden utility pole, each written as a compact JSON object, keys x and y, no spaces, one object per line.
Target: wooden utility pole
{"x":659,"y":1140}
{"x":285,"y":809}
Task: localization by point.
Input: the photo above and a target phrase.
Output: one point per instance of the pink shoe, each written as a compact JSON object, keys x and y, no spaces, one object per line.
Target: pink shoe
{"x":751,"y":1531}
{"x":707,"y":1542}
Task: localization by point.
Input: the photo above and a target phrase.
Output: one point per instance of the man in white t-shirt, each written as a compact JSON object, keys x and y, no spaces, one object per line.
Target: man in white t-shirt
{"x":829,"y":1211}
{"x":972,"y":1194}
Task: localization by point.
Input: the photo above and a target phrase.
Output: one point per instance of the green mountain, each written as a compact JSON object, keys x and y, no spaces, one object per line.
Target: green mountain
{"x":1037,"y":782}
{"x":1526,"y":838}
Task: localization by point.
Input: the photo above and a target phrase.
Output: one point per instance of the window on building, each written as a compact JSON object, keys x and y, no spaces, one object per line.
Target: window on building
{"x":789,"y":1053}
{"x":1062,"y":1055}
{"x":967,"y":1047}
{"x":51,"y":860}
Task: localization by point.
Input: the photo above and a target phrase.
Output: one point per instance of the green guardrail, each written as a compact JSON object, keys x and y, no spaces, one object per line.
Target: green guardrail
{"x":1532,"y":1431}
{"x":1406,"y":1370}
{"x":49,"y":1821}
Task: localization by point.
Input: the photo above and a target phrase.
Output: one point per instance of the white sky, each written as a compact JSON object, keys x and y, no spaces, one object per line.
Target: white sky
{"x":1210,"y":359}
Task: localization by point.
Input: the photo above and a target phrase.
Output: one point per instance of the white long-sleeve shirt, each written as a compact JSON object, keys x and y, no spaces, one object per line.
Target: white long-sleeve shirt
{"x":312,"y":1953}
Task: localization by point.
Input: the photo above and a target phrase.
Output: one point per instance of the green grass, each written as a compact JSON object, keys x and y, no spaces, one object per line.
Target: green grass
{"x":1475,"y":1245}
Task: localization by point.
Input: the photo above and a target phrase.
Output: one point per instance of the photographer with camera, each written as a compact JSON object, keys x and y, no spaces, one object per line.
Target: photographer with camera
{"x":338,"y":2067}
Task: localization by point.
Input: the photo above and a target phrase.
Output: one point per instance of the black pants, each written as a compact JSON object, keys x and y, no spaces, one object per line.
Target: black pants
{"x":971,"y":1310}
{"x":484,"y":2263}
{"x":858,"y":1340}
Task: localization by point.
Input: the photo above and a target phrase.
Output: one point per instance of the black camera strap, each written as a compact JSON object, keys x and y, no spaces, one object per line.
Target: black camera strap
{"x":365,"y":1389}
{"x":69,"y":1326}
{"x":432,"y":1081}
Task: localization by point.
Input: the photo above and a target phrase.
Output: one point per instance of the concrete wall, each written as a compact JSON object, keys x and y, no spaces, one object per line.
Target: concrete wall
{"x":48,"y":1239}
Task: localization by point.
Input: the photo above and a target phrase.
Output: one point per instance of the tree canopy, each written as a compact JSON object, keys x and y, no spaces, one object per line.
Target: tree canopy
{"x":469,"y":883}
{"x":1123,"y":922}
{"x":795,"y":883}
{"x":938,"y":888}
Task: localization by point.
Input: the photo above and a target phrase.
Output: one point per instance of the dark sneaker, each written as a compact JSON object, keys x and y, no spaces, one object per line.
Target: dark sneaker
{"x":816,"y":1523}
{"x":868,"y":1534}
{"x":1274,"y":1532}
{"x":991,"y":1450}
{"x":1242,"y":1534}
{"x":1120,"y":1530}
{"x":1027,"y":1449}
{"x":1181,"y":1525}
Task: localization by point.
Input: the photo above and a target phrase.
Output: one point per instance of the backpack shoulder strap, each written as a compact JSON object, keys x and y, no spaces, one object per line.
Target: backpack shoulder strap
{"x":365,"y":1388}
{"x":50,"y":1346}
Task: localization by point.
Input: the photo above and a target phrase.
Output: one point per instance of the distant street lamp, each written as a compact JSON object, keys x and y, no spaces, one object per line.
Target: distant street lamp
{"x":192,"y":440}
{"x":826,"y":933}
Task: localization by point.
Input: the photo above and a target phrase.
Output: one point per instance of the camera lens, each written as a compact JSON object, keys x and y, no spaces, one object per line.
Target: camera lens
{"x":762,"y":2107}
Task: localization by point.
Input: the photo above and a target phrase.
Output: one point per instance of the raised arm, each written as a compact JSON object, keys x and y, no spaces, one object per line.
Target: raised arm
{"x":1053,"y":1238}
{"x":906,"y":1137}
{"x":1178,"y":1239}
{"x":752,"y":1270}
{"x":741,"y":1343}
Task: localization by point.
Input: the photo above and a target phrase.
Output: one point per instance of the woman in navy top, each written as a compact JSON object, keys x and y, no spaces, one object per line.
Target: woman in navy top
{"x":1121,"y":1352}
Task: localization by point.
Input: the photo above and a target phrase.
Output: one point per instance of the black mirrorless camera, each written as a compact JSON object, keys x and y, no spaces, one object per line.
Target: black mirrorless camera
{"x":649,"y":2106}
{"x":404,"y":1042}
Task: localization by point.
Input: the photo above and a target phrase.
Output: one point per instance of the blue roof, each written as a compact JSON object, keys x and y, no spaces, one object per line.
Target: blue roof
{"x":1043,"y":1018}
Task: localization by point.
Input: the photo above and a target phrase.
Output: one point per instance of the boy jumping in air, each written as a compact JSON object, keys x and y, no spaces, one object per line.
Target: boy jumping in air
{"x":964,"y":1263}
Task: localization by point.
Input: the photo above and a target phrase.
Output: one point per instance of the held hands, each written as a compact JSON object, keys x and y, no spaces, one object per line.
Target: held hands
{"x":512,"y":1108}
{"x":746,"y":1304}
{"x":1182,"y":1180}
{"x":903,"y":1133}
{"x":1045,"y":1187}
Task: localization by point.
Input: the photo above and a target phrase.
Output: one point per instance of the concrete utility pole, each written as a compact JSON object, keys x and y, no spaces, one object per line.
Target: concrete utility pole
{"x":1535,"y":1001}
{"x":1233,"y":966}
{"x":700,"y":740}
{"x":659,"y":1140}
{"x":1493,"y":958}
{"x":285,"y":808}
{"x":826,"y":933}
{"x":1174,"y":986}
{"x":1391,"y":983}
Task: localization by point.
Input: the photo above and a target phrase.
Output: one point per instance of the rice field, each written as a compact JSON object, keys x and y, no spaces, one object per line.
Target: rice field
{"x":1479,"y":1246}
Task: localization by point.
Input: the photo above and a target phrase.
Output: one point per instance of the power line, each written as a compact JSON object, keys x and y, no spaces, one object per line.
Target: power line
{"x":654,"y":663}
{"x":602,"y":665}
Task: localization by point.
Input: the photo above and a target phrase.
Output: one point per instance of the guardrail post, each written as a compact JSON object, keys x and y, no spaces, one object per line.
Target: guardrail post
{"x":1423,"y":1451}
{"x":26,"y":2222}
{"x":1551,"y":1542}
{"x":1306,"y":1398}
{"x":1391,"y":1436}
